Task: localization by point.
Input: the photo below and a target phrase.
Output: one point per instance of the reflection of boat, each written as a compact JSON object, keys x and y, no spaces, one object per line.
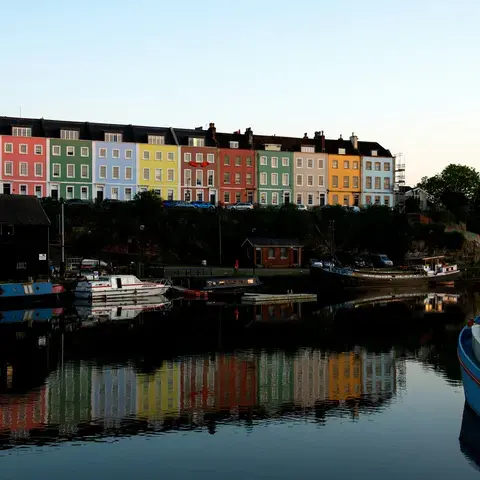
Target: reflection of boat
{"x":29,"y":292}
{"x":118,"y":286}
{"x":432,"y":271}
{"x":30,"y":315}
{"x":432,"y":302}
{"x":118,"y":311}
{"x":469,"y":357}
{"x":470,"y":437}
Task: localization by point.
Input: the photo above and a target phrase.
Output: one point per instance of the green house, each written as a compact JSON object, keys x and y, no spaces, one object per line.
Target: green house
{"x":275,"y":176}
{"x":70,"y":169}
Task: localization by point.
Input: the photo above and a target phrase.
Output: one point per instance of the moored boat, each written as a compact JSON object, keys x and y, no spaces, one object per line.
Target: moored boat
{"x":29,"y":292}
{"x":469,"y":358}
{"x":119,"y":286}
{"x":433,"y":271}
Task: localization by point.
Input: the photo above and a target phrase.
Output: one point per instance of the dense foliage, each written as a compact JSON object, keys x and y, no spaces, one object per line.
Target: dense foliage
{"x":145,"y":228}
{"x":455,"y":194}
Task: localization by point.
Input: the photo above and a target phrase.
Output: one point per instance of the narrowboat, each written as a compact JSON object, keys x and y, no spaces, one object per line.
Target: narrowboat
{"x":469,"y":358}
{"x":234,"y":285}
{"x":432,"y":271}
{"x":29,"y":292}
{"x":30,"y":315}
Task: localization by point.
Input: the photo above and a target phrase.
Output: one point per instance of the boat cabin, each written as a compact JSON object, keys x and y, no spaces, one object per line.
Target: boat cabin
{"x":431,"y":265}
{"x":116,"y":281}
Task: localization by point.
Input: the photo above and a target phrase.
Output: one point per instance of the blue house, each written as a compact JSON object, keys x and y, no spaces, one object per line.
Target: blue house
{"x":378,"y":175}
{"x":115,"y":168}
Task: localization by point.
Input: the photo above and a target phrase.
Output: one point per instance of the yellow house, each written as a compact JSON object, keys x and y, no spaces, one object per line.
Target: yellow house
{"x":159,"y":170}
{"x":158,"y":394}
{"x":344,"y":172}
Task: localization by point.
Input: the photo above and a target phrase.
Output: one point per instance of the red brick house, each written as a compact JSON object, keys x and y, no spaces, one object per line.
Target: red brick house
{"x":273,"y":252}
{"x":237,"y":177}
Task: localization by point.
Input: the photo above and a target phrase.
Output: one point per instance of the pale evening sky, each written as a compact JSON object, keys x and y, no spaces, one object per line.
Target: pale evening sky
{"x":404,"y":74}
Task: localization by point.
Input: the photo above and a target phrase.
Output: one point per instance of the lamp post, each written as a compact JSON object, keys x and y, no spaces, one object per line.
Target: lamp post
{"x":140,"y":266}
{"x":62,"y":237}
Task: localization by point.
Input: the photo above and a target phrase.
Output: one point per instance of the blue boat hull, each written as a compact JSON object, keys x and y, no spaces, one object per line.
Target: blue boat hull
{"x":470,"y":370}
{"x":27,"y":293}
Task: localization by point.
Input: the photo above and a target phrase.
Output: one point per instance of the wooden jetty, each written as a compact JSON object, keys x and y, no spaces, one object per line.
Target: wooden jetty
{"x":259,"y":298}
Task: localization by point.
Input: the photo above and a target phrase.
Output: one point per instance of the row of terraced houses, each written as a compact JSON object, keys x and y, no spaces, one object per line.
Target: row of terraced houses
{"x":87,"y":161}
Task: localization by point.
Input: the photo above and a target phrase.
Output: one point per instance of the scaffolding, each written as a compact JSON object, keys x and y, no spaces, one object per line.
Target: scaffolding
{"x":399,"y":184}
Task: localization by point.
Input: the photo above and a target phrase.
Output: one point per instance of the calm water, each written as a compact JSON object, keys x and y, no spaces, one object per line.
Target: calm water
{"x":365,"y":390}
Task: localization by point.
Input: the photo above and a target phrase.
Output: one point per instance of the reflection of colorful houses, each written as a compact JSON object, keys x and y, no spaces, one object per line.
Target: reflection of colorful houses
{"x":270,"y":313}
{"x":344,"y":376}
{"x":69,"y":395}
{"x":378,"y":373}
{"x":113,"y":394}
{"x":235,"y":382}
{"x":219,"y":382}
{"x":275,"y":379}
{"x":20,"y":414}
{"x":197,"y":379}
{"x":158,"y":394}
{"x":310,"y":372}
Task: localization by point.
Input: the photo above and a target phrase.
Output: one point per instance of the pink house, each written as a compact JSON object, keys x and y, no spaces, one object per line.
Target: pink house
{"x":23,"y":163}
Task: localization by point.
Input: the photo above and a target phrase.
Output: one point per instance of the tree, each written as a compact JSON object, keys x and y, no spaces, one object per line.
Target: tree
{"x":453,"y":183}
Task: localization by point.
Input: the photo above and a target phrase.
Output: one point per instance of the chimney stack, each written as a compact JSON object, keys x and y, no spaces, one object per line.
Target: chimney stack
{"x":322,"y":139}
{"x":305,"y":136}
{"x":354,"y":140}
{"x":212,"y":133}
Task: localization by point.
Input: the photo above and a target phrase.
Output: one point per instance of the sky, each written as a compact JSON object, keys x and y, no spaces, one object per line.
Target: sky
{"x":404,"y":74}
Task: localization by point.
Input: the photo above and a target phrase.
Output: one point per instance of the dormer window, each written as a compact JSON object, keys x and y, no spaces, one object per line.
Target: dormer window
{"x":308,"y":149}
{"x":69,"y":134}
{"x":374,"y":153}
{"x":113,"y":137}
{"x":196,"y":142}
{"x":341,"y":151}
{"x":233,"y":144}
{"x":156,"y":140}
{"x":273,"y":147}
{"x":21,"y":131}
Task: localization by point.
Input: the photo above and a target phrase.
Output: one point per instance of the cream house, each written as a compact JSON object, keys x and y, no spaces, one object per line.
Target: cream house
{"x":310,"y":172}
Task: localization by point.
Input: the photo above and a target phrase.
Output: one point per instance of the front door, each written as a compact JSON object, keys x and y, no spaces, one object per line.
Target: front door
{"x":295,"y":256}
{"x":213,"y":198}
{"x":54,"y":192}
{"x":286,"y":198}
{"x":258,"y":256}
{"x":249,"y":197}
{"x":100,"y":194}
{"x":7,"y":189}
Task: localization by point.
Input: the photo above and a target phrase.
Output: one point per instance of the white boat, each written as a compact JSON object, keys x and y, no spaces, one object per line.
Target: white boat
{"x":119,"y":286}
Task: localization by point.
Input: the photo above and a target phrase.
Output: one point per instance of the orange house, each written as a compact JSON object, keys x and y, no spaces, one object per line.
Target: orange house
{"x":344,"y":376}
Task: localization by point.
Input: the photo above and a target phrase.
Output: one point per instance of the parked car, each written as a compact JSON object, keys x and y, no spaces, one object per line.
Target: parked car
{"x":380,"y":260}
{"x":240,"y":206}
{"x":207,"y":205}
{"x":302,"y":207}
{"x":184,"y":205}
{"x":171,"y":203}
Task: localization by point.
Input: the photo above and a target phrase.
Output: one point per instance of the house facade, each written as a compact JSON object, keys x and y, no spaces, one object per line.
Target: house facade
{"x":199,"y":162}
{"x":70,"y":167}
{"x":344,"y":170}
{"x":115,"y":168}
{"x":23,"y":162}
{"x":158,"y":167}
{"x":377,"y":181}
{"x":310,"y":176}
{"x":237,"y":174}
{"x":275,"y":171}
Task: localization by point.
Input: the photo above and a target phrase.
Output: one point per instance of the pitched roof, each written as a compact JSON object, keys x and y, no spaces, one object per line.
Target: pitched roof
{"x":273,"y":242}
{"x":224,"y":140}
{"x":22,"y":210}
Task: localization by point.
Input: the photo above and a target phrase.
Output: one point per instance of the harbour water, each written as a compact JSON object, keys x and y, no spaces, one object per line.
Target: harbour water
{"x":370,"y":389}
